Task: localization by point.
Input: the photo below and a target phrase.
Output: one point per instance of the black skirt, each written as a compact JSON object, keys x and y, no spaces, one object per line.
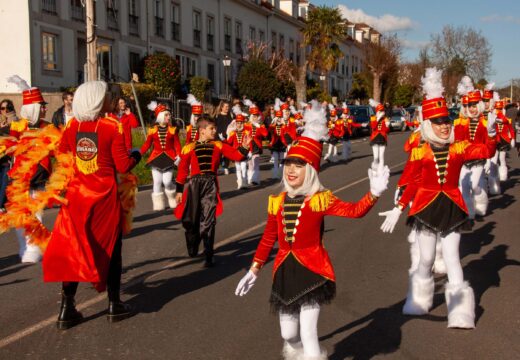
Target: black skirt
{"x":473,"y":163}
{"x":378,"y":140}
{"x":257,"y":150}
{"x":503,"y":145}
{"x":334,"y":140}
{"x":294,"y":285}
{"x":162,"y":162}
{"x":441,"y":216}
{"x":278,"y":146}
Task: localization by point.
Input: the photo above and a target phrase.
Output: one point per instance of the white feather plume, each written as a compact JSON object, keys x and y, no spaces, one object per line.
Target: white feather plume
{"x":489,"y":86}
{"x":303,"y":105}
{"x":237,"y":110}
{"x":315,"y":122}
{"x":192,"y":100}
{"x":293,"y":109}
{"x":496,"y":96}
{"x":373,"y":103}
{"x":248,"y":103}
{"x":344,"y":105}
{"x":432,"y":83}
{"x":18,"y":81}
{"x":277,"y":104}
{"x":152,"y":105}
{"x":465,"y":85}
{"x":331,"y":107}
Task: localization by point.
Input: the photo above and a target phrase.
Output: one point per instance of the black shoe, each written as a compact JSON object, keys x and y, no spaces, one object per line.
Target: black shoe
{"x":209,"y":263}
{"x":68,"y":316}
{"x":118,"y":310}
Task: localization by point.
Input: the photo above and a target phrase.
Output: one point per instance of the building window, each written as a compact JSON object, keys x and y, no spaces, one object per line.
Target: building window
{"x":50,"y":51}
{"x":261,"y":36}
{"x":291,"y":50}
{"x":176,"y":22}
{"x":227,"y":34}
{"x":112,"y":15}
{"x":159,"y":18}
{"x":49,"y":7}
{"x":210,"y":41}
{"x":281,"y":45}
{"x":133,"y":18}
{"x":238,"y":37}
{"x":77,"y":11}
{"x":104,"y":58}
{"x":252,"y":34}
{"x":196,"y":28}
{"x":134,"y":62}
{"x":187,"y":65}
{"x":273,"y":42}
{"x":211,"y":75}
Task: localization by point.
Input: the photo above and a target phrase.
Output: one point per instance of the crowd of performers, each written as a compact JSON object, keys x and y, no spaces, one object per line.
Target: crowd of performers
{"x":450,"y":169}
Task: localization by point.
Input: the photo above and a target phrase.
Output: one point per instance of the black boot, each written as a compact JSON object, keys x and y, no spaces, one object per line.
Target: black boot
{"x":69,"y":316}
{"x":117,"y":310}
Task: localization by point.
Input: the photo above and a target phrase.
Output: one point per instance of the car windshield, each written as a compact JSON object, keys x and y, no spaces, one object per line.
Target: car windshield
{"x":397,"y":113}
{"x":360,"y":112}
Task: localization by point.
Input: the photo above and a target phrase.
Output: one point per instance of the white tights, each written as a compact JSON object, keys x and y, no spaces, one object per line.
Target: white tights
{"x":302,"y":328}
{"x":469,"y":185}
{"x":278,"y":156}
{"x":241,"y":168}
{"x":502,"y":165}
{"x":450,"y":250}
{"x":162,"y":178}
{"x":253,"y":169}
{"x":379,"y":155}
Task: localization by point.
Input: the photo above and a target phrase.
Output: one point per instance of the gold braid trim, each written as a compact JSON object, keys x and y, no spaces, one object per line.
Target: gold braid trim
{"x":172,"y":130}
{"x":152,"y":131}
{"x":218,"y":144}
{"x":186,"y":149}
{"x":460,"y":146}
{"x":275,"y":201}
{"x":417,"y":153}
{"x":321,"y":201}
{"x":87,"y":166}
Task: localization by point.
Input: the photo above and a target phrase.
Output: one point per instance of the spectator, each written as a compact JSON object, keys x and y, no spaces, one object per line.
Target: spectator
{"x":269,"y":115}
{"x":7,"y":113}
{"x":122,"y":111}
{"x":61,"y":117}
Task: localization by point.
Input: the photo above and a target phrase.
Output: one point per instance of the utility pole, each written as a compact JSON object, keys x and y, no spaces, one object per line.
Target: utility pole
{"x":92,"y":65}
{"x":511,"y":90}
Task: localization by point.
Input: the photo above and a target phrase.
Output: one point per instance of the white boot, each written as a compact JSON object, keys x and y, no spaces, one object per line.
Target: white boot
{"x":494,"y":185}
{"x":420,"y":296}
{"x":32,"y":254}
{"x":415,"y":254}
{"x":502,"y":172}
{"x":461,"y":306}
{"x":481,"y":203}
{"x":322,"y":356}
{"x":170,"y":195}
{"x":240,"y":182}
{"x":292,"y":352}
{"x":158,"y":201}
{"x":22,"y":242}
{"x":439,"y":267}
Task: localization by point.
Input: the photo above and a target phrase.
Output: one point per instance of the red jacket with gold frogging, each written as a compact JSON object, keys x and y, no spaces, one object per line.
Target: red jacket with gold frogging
{"x":379,"y":127}
{"x":172,"y":144}
{"x":307,"y":246}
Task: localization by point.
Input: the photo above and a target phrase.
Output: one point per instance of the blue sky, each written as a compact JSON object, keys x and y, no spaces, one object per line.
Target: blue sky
{"x":414,"y":21}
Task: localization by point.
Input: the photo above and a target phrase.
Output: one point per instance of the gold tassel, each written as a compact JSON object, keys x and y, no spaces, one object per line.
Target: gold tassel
{"x":417,"y":153}
{"x":274,"y":204}
{"x":87,"y":166}
{"x":321,"y":201}
{"x":460,"y":146}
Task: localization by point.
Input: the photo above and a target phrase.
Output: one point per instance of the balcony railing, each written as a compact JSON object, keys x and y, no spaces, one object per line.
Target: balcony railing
{"x":49,"y":7}
{"x":196,"y":38}
{"x":112,"y":18}
{"x":210,"y":42}
{"x":78,"y":13}
{"x":133,"y":25}
{"x":159,"y":26}
{"x":176,"y":31}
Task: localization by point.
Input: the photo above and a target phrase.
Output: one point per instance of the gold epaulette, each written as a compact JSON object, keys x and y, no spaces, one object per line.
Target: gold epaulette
{"x":321,"y":201}
{"x":484,"y":122}
{"x":275,"y":201}
{"x":119,"y":125}
{"x":152,"y":131}
{"x":459,"y":147}
{"x":172,"y":130}
{"x":19,"y":125}
{"x":218,"y":144}
{"x":417,"y":153}
{"x":187,"y":148}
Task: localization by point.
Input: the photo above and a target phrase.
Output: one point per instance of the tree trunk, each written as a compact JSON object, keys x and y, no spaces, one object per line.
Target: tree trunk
{"x":377,"y":88}
{"x":300,"y":83}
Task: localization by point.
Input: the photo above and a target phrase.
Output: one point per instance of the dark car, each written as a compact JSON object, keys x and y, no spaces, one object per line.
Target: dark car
{"x":362,"y":115}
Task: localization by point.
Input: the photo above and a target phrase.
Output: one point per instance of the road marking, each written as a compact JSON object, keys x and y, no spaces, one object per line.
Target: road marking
{"x":98,"y":298}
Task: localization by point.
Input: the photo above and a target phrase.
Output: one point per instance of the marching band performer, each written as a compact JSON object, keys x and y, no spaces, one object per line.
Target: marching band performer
{"x":235,"y":138}
{"x":336,"y":133}
{"x":303,"y":276}
{"x":438,"y":209}
{"x":348,"y":125}
{"x":258,"y":133}
{"x":277,"y":144}
{"x":379,"y":134}
{"x":196,"y":112}
{"x":166,"y":148}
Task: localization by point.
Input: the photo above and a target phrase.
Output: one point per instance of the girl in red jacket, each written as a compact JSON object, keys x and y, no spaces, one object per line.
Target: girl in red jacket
{"x":303,"y":275}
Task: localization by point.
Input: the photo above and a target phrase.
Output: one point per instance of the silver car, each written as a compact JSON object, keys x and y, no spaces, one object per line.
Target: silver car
{"x":398,"y":119}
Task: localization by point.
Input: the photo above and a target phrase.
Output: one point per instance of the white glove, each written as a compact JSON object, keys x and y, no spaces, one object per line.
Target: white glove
{"x":492,"y":117}
{"x":396,"y":195}
{"x":249,"y":156}
{"x":245,"y":284}
{"x":378,"y":180}
{"x":256,"y":125}
{"x":222,"y":138}
{"x":177,"y":161}
{"x":513,"y":143}
{"x":392,"y":216}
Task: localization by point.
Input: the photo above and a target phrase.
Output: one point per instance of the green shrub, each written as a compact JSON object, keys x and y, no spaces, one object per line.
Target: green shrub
{"x":199,"y":86}
{"x":162,"y":71}
{"x":257,"y":81}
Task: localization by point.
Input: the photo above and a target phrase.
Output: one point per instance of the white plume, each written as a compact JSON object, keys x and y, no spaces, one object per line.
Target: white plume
{"x":465,"y":85}
{"x":192,"y":100}
{"x":344,"y":105}
{"x":277,"y":104}
{"x":432,"y":83}
{"x":18,"y":81}
{"x":248,"y":103}
{"x":331,"y":107}
{"x":496,"y":96}
{"x":237,"y":109}
{"x":315,"y":122}
{"x":373,"y":103}
{"x":303,"y":105}
{"x":293,"y":109}
{"x":489,"y":86}
{"x":152,"y":106}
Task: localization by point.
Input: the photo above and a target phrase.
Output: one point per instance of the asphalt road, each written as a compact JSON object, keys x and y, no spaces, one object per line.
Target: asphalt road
{"x":187,"y":312}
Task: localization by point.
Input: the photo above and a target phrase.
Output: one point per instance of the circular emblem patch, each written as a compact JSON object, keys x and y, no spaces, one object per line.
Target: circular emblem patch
{"x":86,"y":149}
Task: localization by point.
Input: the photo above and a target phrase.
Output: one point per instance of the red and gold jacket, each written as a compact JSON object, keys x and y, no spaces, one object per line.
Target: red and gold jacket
{"x":126,"y":122}
{"x":276,"y":131}
{"x":504,"y":128}
{"x":464,"y":131}
{"x":171,"y":145}
{"x":413,"y":141}
{"x":307,"y":246}
{"x":290,"y":130}
{"x":379,"y":127}
{"x":337,"y":128}
{"x":235,"y":137}
{"x":258,"y":134}
{"x":192,"y":134}
{"x":349,"y":125}
{"x":427,"y":185}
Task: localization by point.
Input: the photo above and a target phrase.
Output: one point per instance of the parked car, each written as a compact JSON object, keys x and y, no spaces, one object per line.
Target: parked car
{"x":398,"y":119}
{"x":362,"y":115}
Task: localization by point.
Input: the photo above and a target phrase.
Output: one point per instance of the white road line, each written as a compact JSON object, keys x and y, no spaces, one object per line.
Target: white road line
{"x":52,"y":320}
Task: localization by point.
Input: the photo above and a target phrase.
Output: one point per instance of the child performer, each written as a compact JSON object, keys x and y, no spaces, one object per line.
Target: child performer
{"x":336,"y":132}
{"x":303,"y":274}
{"x":166,"y":150}
{"x":379,"y":134}
{"x":438,"y":210}
{"x":235,"y":139}
{"x":258,"y":133}
{"x":200,"y":203}
{"x":348,"y":124}
{"x":196,"y":112}
{"x":277,"y":145}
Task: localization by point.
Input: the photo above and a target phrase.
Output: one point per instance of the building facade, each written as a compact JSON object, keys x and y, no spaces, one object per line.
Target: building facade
{"x":47,"y":39}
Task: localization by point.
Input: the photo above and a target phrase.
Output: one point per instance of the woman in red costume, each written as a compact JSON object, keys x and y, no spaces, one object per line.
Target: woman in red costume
{"x":86,"y":241}
{"x":303,"y":274}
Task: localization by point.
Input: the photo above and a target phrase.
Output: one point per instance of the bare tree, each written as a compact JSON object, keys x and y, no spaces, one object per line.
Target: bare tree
{"x":380,"y":59}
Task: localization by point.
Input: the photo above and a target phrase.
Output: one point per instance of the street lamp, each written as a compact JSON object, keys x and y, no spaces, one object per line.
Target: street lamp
{"x":322,"y":79}
{"x":227,"y":64}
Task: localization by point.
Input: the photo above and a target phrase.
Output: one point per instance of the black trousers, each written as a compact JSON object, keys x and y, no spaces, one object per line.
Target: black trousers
{"x":114,"y":274}
{"x":199,"y":217}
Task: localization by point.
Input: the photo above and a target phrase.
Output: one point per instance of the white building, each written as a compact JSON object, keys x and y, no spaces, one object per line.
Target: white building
{"x":47,"y":44}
